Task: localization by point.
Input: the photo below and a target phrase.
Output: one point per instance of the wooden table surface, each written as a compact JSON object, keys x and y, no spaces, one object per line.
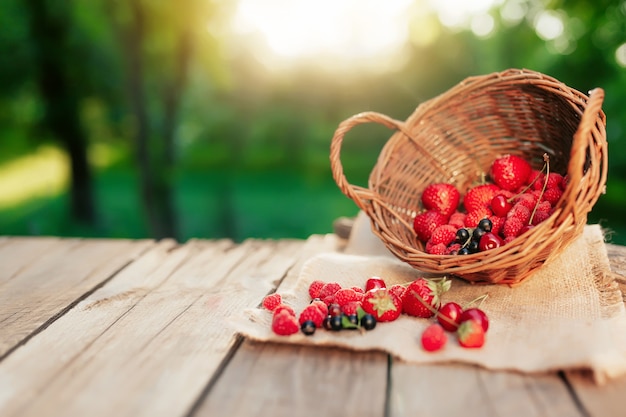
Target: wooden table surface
{"x":93,"y":327}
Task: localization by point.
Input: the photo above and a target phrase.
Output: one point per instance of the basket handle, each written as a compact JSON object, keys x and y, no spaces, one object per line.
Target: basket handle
{"x":587,"y":121}
{"x":360,"y":195}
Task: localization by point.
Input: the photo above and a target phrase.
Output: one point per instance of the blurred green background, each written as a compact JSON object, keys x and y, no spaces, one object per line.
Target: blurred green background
{"x":208,"y":119}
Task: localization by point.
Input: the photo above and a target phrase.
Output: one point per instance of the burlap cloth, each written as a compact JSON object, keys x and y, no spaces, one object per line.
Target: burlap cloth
{"x":568,"y":316}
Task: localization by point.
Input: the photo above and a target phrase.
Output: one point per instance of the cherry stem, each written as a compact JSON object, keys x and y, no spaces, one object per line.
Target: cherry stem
{"x":480,"y":300}
{"x":543,"y":168}
{"x":546,"y":158}
{"x":432,"y":309}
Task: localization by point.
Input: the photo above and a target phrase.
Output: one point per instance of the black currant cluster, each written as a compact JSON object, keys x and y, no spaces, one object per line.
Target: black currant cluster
{"x":336,"y":320}
{"x":470,"y":239}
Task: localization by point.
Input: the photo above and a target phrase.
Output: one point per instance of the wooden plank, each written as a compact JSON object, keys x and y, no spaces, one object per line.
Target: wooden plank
{"x":605,"y":400}
{"x":47,"y":282}
{"x":149,"y":341}
{"x":281,"y":380}
{"x":294,"y":380}
{"x":449,"y":390}
{"x":21,"y":253}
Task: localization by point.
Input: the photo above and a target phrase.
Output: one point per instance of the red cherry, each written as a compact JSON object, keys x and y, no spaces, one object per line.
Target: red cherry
{"x":449,"y":316}
{"x":477,"y":315}
{"x":500,"y":205}
{"x":489,"y":241}
{"x":374,"y":283}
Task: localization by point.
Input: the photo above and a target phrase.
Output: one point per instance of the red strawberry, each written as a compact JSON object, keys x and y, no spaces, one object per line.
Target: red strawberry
{"x":285,"y":324}
{"x":315,"y":287}
{"x":423,"y":291}
{"x":424,"y":224}
{"x":330,"y":288}
{"x":434,"y":338}
{"x":345,"y":296}
{"x":382,"y":304}
{"x":473,"y":217}
{"x":272,"y":301}
{"x":397,"y":289}
{"x":313,"y":313}
{"x":471,"y":334}
{"x":374,"y":283}
{"x":510,"y":172}
{"x":441,"y":197}
{"x":480,"y":197}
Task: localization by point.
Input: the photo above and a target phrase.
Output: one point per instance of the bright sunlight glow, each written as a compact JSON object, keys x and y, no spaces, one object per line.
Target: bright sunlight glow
{"x":347,"y":33}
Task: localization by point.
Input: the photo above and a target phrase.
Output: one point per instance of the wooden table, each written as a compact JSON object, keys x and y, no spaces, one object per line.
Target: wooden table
{"x":136,"y":328}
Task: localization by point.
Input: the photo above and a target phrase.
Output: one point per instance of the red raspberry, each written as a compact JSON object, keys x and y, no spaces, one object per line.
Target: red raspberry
{"x":346,"y":295}
{"x":512,"y":227}
{"x":315,"y":287}
{"x":424,"y":224}
{"x":539,"y":216}
{"x":555,"y":180}
{"x":496,"y":224}
{"x":322,"y":306}
{"x":457,"y":220}
{"x":313,"y":313}
{"x":329,"y":300}
{"x":535,"y":177}
{"x":453,"y":249}
{"x":285,"y":324}
{"x":520,"y":212}
{"x":358,"y":289}
{"x":284,"y":307}
{"x":350,"y":308}
{"x":434,"y":338}
{"x":330,"y":288}
{"x":443,"y":234}
{"x":272,"y":301}
{"x":553,"y":195}
{"x":527,"y":200}
{"x":435,"y":249}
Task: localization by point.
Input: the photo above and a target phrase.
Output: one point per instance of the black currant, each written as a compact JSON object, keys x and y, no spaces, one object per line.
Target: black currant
{"x":477,"y":234}
{"x":308,"y":327}
{"x":462,"y":235}
{"x":472,"y":247}
{"x":335,"y":323}
{"x":368,"y":322}
{"x":326,"y":323}
{"x":463,"y":251}
{"x":485,"y":224}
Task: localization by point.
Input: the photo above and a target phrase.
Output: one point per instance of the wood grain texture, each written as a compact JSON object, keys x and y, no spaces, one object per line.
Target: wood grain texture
{"x":453,"y":390}
{"x":45,"y":276}
{"x":277,"y":380}
{"x":148,"y":342}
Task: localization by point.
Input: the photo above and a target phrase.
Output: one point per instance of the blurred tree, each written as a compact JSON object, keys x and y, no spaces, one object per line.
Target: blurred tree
{"x":58,"y":75}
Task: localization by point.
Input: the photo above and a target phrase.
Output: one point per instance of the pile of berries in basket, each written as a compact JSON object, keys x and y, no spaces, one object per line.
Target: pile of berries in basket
{"x":334,"y":308}
{"x":490,"y":214}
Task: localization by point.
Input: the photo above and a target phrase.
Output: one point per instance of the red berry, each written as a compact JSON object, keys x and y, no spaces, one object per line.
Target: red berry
{"x":321,"y":306}
{"x":423,"y":291}
{"x":272,"y":301}
{"x":473,"y":217}
{"x":345,"y":296}
{"x":512,"y":227}
{"x":500,"y":205}
{"x":480,"y":197}
{"x":510,"y":172}
{"x":285,"y":324}
{"x":314,"y":288}
{"x":457,"y":220}
{"x":477,"y":315}
{"x":312,"y":313}
{"x":434,"y":338}
{"x":449,"y":316}
{"x":397,"y":289}
{"x":539,"y":216}
{"x":441,"y":197}
{"x":471,"y":334}
{"x":552,"y":195}
{"x":382,"y":304}
{"x":330,"y":288}
{"x":435,"y":249}
{"x":424,"y":224}
{"x":351,"y":308}
{"x":284,"y":307}
{"x":521,"y":212}
{"x":489,"y":241}
{"x":528,"y":200}
{"x":443,"y":234}
{"x":374,"y":283}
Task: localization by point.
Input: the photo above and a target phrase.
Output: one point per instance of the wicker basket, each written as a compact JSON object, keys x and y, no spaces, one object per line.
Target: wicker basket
{"x":455,"y":137}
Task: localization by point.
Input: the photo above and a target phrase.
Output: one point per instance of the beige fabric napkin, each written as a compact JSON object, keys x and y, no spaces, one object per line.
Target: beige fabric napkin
{"x":570,"y":315}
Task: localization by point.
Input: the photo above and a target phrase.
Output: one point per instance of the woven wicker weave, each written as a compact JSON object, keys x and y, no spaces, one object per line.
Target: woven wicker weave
{"x":455,"y":137}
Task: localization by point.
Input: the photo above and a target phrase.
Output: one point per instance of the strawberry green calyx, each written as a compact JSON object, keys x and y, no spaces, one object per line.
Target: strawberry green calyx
{"x":438,"y":287}
{"x":382,"y":303}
